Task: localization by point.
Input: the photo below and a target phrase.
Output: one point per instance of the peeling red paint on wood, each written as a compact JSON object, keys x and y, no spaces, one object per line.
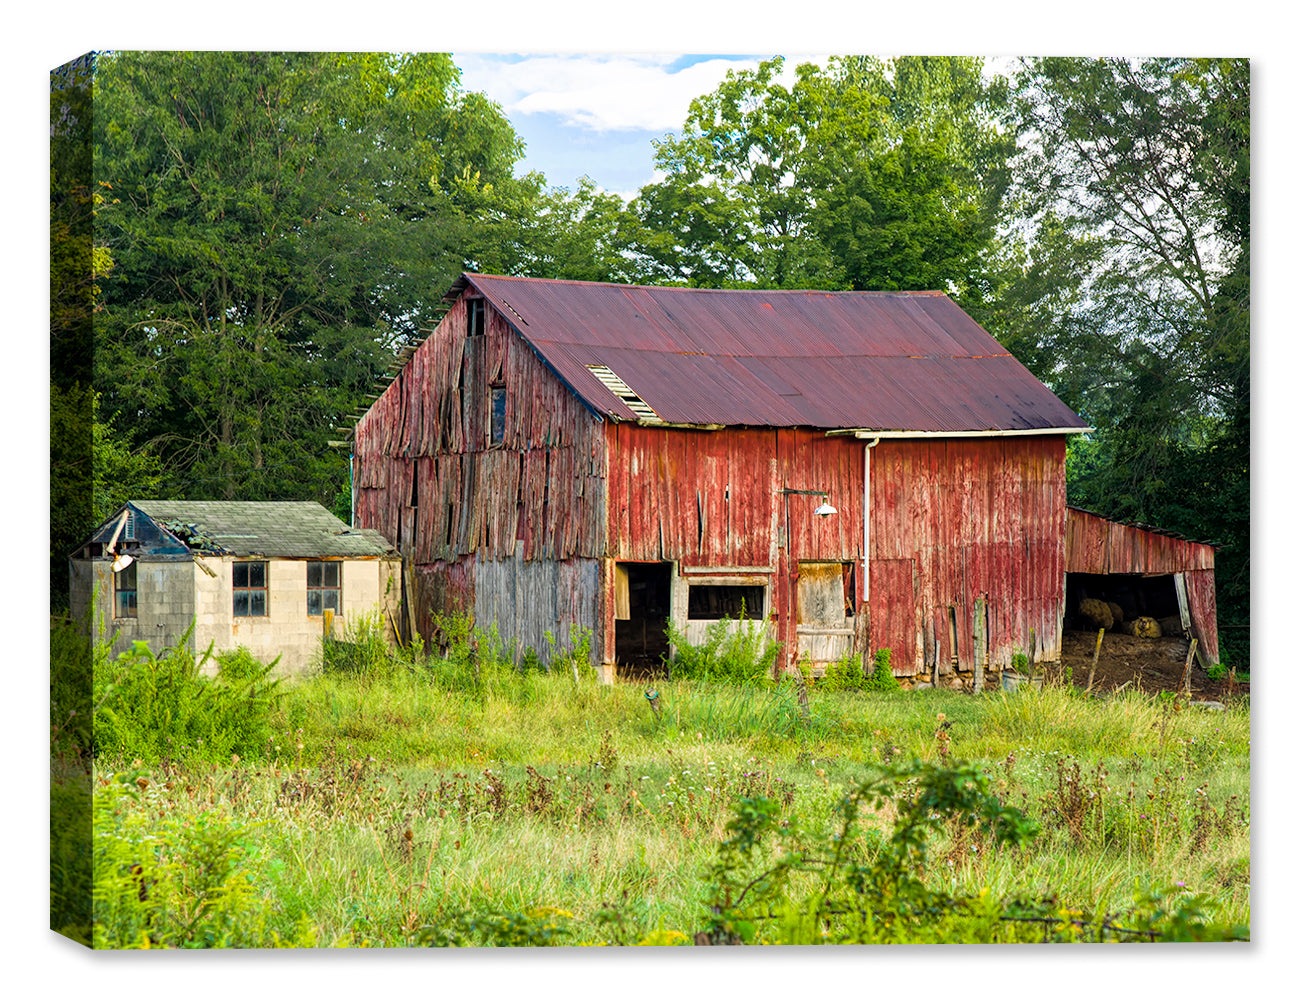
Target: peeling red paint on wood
{"x":958,"y":520}
{"x":1098,"y":545}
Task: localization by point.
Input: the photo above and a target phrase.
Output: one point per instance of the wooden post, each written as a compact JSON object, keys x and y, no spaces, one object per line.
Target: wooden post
{"x":1187,"y":670}
{"x":652,"y":696}
{"x":1096,"y":655}
{"x":802,"y":689}
{"x":980,"y":637}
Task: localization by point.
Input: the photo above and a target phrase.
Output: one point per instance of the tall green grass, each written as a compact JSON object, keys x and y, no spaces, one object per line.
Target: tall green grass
{"x":423,"y":799}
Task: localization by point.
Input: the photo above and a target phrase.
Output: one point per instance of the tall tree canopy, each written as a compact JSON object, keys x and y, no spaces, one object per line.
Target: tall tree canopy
{"x":1128,"y":290}
{"x":278,"y":222}
{"x":862,"y":174}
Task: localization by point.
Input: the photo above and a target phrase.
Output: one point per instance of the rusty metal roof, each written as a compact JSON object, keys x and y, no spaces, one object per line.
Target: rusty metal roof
{"x":890,"y":361}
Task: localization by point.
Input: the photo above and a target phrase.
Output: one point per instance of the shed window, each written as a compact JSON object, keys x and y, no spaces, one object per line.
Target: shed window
{"x":324,"y":587}
{"x":476,"y":315}
{"x":249,"y":580}
{"x":124,"y":593}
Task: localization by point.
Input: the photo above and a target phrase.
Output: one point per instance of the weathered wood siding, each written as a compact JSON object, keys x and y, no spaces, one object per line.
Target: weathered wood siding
{"x":529,"y":598}
{"x":1097,"y":545}
{"x":430,"y":477}
{"x":1204,"y":613}
{"x":711,"y":502}
{"x":960,"y":521}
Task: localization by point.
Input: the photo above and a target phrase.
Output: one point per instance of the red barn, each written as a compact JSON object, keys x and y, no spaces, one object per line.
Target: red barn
{"x":611,"y":456}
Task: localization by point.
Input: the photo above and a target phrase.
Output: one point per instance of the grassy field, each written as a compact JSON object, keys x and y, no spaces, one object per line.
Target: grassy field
{"x":445,"y":803}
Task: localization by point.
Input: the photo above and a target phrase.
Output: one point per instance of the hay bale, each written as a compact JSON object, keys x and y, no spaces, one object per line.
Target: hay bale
{"x":1170,"y":625}
{"x":1142,"y":628}
{"x":1096,"y":612}
{"x":1116,"y":612}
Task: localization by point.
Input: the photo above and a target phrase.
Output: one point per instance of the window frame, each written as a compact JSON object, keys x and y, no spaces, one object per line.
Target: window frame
{"x":120,"y":592}
{"x":475,"y":317}
{"x":249,"y":590}
{"x":322,"y":589}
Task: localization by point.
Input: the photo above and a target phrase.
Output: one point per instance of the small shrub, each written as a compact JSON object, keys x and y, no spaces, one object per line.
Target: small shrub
{"x":845,"y":674}
{"x":733,"y":651}
{"x":882,"y":674}
{"x":153,"y":706}
{"x":576,"y":658}
{"x":363,"y":649}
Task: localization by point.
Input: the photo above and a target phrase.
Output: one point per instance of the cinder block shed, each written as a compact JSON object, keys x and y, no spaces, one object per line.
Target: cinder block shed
{"x":241,"y":573}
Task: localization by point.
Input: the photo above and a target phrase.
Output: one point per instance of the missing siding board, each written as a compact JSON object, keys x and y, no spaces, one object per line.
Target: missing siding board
{"x":623,"y":391}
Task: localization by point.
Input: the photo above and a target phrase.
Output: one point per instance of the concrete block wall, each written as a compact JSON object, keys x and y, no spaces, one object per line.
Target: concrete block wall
{"x":286,"y":630}
{"x":170,"y":596}
{"x":164,"y":602}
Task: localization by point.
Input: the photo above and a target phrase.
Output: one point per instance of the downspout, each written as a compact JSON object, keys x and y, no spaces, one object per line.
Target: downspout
{"x":866,"y":520}
{"x":352,"y":489}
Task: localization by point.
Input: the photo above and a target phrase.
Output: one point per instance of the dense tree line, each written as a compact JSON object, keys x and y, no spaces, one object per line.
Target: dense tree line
{"x":261,"y":231}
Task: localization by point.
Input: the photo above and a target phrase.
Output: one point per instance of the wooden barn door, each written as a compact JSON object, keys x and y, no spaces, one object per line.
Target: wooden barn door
{"x":824,"y":623}
{"x":896,"y":614}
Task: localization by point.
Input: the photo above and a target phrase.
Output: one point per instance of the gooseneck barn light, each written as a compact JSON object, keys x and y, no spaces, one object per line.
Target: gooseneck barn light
{"x":825,"y":510}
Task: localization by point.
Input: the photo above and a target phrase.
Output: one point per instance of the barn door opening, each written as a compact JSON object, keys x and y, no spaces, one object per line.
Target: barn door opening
{"x":642,"y":597}
{"x":1093,"y":599}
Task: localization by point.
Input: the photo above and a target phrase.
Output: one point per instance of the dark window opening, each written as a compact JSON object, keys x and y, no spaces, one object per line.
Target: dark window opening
{"x":124,"y":593}
{"x":324,"y":587}
{"x":498,"y":414}
{"x":476,"y":318}
{"x":713,"y":601}
{"x":249,"y":586}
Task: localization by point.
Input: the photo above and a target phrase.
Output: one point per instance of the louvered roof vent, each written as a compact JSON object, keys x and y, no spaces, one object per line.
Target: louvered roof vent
{"x":624,"y":392}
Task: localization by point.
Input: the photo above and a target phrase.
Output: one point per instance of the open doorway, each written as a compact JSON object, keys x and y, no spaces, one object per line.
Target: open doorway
{"x":642,"y":593}
{"x":1136,"y":595}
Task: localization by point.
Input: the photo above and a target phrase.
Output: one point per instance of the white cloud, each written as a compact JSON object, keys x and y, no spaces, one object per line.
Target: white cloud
{"x":601,"y":93}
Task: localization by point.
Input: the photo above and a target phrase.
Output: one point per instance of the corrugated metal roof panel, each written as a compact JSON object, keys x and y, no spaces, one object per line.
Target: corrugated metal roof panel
{"x":877,"y":360}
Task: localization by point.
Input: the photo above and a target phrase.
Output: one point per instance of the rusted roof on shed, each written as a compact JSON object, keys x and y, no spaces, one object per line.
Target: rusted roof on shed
{"x":888,"y":361}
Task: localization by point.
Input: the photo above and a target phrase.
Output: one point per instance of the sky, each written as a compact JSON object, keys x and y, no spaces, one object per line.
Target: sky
{"x":596,"y":114}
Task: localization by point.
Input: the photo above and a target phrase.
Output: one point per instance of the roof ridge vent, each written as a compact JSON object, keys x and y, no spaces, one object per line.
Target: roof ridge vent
{"x":623,"y":391}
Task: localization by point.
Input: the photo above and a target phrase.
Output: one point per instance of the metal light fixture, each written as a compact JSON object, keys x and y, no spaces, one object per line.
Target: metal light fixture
{"x":121,"y":562}
{"x":825,"y":510}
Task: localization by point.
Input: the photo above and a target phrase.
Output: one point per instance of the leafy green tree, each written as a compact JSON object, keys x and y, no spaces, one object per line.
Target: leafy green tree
{"x":1128,"y":290}
{"x":77,"y":264}
{"x":279,"y":222}
{"x":863,"y":175}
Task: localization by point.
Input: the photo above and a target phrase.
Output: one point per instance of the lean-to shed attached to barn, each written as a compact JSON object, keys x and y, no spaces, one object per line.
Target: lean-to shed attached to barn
{"x":1148,"y":572}
{"x":611,"y":456}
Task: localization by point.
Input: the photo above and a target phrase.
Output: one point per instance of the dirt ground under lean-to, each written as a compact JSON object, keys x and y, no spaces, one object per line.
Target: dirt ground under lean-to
{"x":1133,"y":663}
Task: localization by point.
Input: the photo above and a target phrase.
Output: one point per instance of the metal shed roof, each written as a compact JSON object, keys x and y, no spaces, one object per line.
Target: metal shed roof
{"x":887,"y":361}
{"x":294,"y":529}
